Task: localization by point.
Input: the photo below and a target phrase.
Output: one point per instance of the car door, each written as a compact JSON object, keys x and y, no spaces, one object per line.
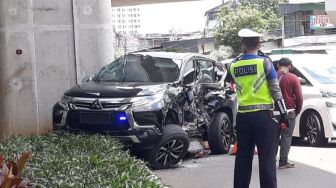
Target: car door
{"x":205,"y":76}
{"x":189,"y":107}
{"x":308,"y":91}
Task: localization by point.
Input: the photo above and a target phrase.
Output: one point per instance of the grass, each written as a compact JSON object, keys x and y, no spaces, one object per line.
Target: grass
{"x":68,"y":160}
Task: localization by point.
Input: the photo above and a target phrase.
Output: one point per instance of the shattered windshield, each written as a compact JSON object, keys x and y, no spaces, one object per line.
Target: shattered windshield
{"x":139,"y":68}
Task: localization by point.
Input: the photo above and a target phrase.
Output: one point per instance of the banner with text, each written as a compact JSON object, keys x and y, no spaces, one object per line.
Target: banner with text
{"x":320,"y":22}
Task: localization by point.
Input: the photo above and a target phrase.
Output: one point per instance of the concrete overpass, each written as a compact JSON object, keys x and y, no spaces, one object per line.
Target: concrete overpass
{"x":46,"y":46}
{"x":141,"y":2}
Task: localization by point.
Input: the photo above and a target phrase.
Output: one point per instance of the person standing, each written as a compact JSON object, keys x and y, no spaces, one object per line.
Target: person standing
{"x":291,"y":90}
{"x":257,"y":87}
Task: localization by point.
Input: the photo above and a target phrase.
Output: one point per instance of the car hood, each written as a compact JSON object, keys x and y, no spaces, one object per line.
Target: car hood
{"x":329,"y":89}
{"x":114,"y":89}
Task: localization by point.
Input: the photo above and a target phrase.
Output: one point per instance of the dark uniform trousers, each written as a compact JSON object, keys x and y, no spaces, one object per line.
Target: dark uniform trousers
{"x":255,"y":128}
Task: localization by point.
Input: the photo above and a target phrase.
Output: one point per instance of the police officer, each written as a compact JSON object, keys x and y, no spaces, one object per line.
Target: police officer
{"x":257,"y":90}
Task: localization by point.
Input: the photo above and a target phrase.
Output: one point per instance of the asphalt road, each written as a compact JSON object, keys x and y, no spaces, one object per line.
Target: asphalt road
{"x":315,"y":168}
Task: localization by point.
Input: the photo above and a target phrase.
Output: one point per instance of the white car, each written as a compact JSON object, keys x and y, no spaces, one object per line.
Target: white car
{"x":317,"y":120}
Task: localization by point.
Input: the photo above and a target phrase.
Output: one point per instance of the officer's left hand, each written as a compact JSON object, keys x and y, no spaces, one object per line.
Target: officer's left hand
{"x":285,"y":121}
{"x":283,"y":125}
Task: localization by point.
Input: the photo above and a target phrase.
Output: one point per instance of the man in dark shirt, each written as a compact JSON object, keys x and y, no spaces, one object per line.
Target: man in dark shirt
{"x":292,"y":94}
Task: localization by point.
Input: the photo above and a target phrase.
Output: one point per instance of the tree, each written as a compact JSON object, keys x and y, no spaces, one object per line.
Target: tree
{"x":233,"y":21}
{"x":259,"y":15}
{"x":269,"y":10}
{"x":222,"y":53}
{"x":264,"y":5}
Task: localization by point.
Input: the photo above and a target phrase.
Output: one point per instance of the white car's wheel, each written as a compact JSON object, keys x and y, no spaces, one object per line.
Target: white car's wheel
{"x":314,"y":129}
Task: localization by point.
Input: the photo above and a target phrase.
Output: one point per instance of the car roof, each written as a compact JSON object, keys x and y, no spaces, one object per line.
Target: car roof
{"x":172,"y":55}
{"x":305,"y":59}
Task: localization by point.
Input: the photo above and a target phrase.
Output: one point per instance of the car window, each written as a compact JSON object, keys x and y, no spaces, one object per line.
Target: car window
{"x":300,"y":75}
{"x":220,"y":72}
{"x":189,"y":67}
{"x":189,"y":72}
{"x":138,"y":68}
{"x":205,"y":71}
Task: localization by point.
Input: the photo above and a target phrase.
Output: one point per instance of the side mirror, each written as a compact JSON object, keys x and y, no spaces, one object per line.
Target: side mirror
{"x":87,"y":79}
{"x":303,"y":81}
{"x":189,"y":77}
{"x":190,"y":96}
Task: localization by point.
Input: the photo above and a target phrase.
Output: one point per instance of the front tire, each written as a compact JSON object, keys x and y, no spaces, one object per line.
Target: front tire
{"x":171,"y":149}
{"x":220,"y":134}
{"x":315,"y":131}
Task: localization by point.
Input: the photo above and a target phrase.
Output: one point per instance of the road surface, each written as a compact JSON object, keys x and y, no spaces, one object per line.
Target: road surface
{"x":315,"y":168}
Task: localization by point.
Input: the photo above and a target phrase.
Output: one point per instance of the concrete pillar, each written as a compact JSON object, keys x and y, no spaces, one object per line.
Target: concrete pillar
{"x":45,"y":45}
{"x":94,"y":35}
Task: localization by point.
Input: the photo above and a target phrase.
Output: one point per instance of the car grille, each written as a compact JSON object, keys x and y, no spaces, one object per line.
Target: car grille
{"x":82,"y":104}
{"x":88,"y":104}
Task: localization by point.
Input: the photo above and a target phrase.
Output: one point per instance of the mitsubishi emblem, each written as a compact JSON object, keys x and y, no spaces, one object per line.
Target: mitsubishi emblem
{"x":96,"y":104}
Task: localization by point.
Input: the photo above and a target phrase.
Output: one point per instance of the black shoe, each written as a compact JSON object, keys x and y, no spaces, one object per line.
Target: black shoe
{"x":286,"y":165}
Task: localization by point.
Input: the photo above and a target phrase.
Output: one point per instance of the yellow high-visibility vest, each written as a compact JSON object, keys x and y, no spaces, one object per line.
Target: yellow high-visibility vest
{"x":251,"y":85}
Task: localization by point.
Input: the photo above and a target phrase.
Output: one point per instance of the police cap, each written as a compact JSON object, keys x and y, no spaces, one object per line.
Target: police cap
{"x":248,"y":33}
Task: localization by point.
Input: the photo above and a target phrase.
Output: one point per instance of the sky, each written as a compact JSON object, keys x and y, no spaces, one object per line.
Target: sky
{"x":181,"y":17}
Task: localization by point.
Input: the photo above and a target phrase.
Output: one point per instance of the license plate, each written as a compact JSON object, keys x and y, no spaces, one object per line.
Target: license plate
{"x":95,"y":118}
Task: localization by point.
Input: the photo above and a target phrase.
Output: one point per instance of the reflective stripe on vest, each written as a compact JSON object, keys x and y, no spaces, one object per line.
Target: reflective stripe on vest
{"x":251,"y":84}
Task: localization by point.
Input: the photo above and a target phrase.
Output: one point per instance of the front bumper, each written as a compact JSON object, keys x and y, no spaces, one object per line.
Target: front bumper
{"x":148,"y":132}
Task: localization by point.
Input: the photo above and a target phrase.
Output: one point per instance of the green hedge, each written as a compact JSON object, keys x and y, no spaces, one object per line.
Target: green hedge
{"x":68,"y":160}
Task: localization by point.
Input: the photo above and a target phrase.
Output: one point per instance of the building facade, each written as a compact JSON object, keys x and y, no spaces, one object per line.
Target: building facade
{"x":212,"y":15}
{"x":301,"y":18}
{"x":126,"y":20}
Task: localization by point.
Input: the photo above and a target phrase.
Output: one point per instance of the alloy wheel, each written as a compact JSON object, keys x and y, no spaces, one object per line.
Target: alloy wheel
{"x":312,"y":123}
{"x":225,"y":132}
{"x":170,"y":152}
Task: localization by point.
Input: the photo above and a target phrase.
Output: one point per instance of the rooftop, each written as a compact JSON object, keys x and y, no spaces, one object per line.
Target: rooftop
{"x":289,"y":8}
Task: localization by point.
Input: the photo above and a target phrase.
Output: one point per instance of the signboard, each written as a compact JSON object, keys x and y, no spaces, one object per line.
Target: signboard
{"x":320,"y":22}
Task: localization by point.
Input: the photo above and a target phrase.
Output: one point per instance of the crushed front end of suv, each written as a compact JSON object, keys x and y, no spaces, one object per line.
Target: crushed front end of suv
{"x":154,"y":102}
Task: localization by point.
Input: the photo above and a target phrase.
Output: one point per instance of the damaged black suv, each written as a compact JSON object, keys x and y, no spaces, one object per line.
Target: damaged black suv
{"x":154,"y":102}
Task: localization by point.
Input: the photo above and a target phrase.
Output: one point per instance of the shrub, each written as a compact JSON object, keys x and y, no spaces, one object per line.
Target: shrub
{"x":68,"y":160}
{"x":10,"y":172}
